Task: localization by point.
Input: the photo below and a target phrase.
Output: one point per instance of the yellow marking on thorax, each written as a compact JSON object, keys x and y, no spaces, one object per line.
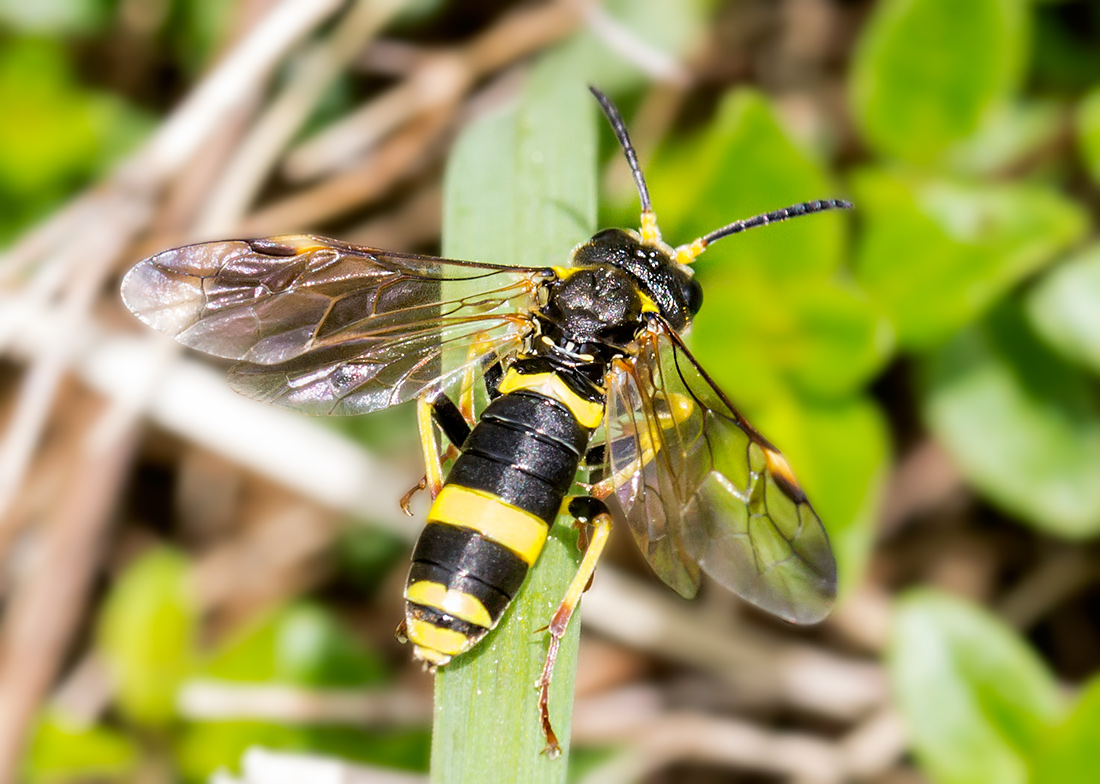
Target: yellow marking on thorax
{"x":445,"y":641}
{"x":517,"y":529}
{"x":588,"y":413}
{"x":459,"y":604}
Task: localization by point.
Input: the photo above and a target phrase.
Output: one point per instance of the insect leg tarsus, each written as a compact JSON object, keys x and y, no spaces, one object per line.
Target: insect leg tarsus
{"x":590,"y":511}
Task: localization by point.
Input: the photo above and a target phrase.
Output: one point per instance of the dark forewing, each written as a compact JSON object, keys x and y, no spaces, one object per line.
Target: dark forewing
{"x":701,"y":489}
{"x":327,"y":327}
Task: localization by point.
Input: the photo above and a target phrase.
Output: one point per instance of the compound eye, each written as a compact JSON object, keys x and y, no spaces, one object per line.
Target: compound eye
{"x":692,"y":293}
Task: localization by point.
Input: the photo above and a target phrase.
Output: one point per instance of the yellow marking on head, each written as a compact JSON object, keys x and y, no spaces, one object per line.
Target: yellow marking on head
{"x":648,"y":305}
{"x":778,"y":466}
{"x":437,"y":641}
{"x":458,"y":604}
{"x":686,"y":254}
{"x":565,"y":272}
{"x":588,"y":413}
{"x":649,"y":231}
{"x":517,"y":529}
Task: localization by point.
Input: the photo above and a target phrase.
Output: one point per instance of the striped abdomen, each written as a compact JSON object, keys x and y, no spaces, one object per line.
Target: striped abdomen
{"x":489,"y":522}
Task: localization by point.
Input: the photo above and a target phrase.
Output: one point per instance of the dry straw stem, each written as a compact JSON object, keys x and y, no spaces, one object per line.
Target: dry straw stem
{"x":281,"y":119}
{"x":70,"y":257}
{"x":652,"y":737}
{"x":438,"y":81}
{"x":263,"y":766}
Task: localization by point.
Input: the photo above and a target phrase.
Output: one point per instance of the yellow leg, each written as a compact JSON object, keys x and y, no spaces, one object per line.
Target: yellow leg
{"x":466,"y":398}
{"x":601,"y":527}
{"x":433,"y":461}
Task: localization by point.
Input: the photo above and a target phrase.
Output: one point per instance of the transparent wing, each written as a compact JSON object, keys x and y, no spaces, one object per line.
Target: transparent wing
{"x":360,"y":376}
{"x":701,"y":490}
{"x":326,"y":327}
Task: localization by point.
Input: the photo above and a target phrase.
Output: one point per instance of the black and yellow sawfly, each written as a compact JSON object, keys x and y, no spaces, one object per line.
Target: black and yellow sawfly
{"x":585,"y":367}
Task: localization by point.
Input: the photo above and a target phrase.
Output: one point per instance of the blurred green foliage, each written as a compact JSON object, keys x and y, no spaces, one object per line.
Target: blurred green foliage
{"x":978,"y":700}
{"x":57,"y":134}
{"x":981,"y":705}
{"x":969,"y":260}
{"x":147,"y":638}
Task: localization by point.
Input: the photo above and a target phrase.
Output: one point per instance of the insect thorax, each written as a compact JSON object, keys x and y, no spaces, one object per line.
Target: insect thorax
{"x":669,"y":286}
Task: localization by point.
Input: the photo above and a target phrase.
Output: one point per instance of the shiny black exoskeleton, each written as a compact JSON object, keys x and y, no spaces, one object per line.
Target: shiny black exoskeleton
{"x":593,"y":314}
{"x":671,"y":286}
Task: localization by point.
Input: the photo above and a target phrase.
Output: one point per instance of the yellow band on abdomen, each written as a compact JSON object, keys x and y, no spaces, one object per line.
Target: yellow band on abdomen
{"x":520,"y":531}
{"x":450,"y":601}
{"x":444,"y":641}
{"x":588,"y":413}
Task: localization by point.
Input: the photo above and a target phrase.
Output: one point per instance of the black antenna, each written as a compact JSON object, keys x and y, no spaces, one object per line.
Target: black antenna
{"x":805,"y":208}
{"x":619,"y":127}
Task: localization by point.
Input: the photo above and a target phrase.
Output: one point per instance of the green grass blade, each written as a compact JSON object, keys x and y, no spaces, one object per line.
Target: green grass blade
{"x":521,"y":189}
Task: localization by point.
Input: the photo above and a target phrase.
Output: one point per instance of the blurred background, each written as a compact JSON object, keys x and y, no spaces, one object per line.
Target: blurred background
{"x":186,"y":575}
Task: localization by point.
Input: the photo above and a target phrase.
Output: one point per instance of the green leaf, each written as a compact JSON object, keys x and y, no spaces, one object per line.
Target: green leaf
{"x":63,"y":750}
{"x":1011,"y":133}
{"x":199,"y":750}
{"x":821,"y":337}
{"x":840,"y":451}
{"x":63,"y":135}
{"x":146,"y":635}
{"x":408,"y":749}
{"x":976,"y":699}
{"x":1087,"y":124}
{"x":1064,"y":308}
{"x":519,"y":188}
{"x":54,"y":17}
{"x":1021,"y":424}
{"x":664,"y":31}
{"x":937,"y":254}
{"x":1071,"y":753}
{"x":302,"y":645}
{"x":745,"y":163}
{"x":927,"y":73}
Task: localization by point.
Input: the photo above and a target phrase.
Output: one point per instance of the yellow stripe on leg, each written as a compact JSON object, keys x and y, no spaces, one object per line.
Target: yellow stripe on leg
{"x":455,"y":603}
{"x":433,"y":464}
{"x":517,"y":529}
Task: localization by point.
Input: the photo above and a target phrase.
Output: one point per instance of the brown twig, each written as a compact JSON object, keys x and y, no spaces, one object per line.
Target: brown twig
{"x":437,"y":81}
{"x":46,"y":608}
{"x":757,"y":666}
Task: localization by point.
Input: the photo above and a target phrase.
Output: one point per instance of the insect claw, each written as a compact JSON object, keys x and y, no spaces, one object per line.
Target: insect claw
{"x":407,"y":498}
